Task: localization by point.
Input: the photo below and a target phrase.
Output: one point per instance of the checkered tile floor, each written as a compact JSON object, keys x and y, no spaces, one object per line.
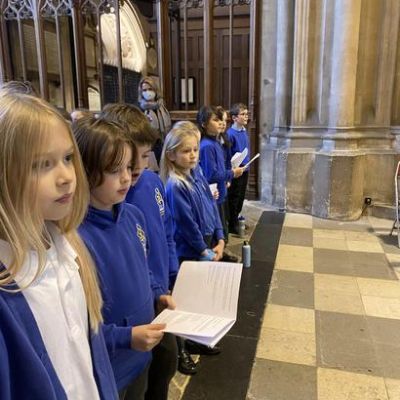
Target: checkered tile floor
{"x":331,"y":327}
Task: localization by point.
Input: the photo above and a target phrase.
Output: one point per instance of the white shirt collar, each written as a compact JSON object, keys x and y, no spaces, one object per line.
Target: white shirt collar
{"x":60,"y":249}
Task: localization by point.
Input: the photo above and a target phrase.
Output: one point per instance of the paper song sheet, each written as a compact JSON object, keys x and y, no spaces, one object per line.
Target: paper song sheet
{"x":253,"y":159}
{"x":238,"y":158}
{"x":213,"y":187}
{"x":206,"y":294}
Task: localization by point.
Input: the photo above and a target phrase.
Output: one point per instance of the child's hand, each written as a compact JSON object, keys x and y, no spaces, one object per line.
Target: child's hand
{"x":216,"y":194}
{"x":165,"y":301}
{"x":237,"y":172}
{"x":219,"y":250}
{"x":228,"y":185}
{"x":145,"y":337}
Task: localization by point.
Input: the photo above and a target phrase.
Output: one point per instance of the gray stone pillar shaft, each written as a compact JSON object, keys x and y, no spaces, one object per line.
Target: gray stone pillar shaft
{"x":344,"y":62}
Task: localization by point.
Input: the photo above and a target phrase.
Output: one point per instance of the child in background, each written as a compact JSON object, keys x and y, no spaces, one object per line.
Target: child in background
{"x":198,"y":229}
{"x":148,"y":194}
{"x":51,"y":341}
{"x":224,"y":140}
{"x":239,"y":139}
{"x":213,"y":159}
{"x":116,"y":235}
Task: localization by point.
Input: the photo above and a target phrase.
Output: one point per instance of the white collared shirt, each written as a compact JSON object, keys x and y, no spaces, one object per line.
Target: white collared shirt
{"x":57,"y":301}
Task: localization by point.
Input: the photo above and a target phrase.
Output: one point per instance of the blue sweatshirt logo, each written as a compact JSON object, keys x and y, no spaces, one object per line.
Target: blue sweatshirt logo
{"x":142,"y":237}
{"x":160,"y":201}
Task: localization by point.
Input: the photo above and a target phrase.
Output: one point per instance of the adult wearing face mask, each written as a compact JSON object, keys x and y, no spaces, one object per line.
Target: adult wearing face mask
{"x":152,"y":104}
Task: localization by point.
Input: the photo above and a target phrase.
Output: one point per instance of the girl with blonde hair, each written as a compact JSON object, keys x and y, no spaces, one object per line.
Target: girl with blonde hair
{"x":198,"y":231}
{"x":51,"y":342}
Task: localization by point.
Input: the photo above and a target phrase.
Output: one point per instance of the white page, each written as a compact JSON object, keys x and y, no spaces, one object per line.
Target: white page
{"x":210,"y":341}
{"x":184,"y":323}
{"x":253,"y":159}
{"x":208,"y":287}
{"x":238,"y":158}
{"x":213,"y":187}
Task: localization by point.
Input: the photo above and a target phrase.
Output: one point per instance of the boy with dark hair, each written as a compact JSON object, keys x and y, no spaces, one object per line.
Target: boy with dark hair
{"x":116,"y":235}
{"x":147,"y":193}
{"x":239,"y":139}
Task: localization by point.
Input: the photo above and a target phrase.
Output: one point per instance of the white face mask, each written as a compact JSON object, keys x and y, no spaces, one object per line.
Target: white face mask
{"x":149,"y":95}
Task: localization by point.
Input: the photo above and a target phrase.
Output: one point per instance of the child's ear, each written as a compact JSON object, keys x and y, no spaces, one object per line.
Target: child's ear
{"x":171,"y":156}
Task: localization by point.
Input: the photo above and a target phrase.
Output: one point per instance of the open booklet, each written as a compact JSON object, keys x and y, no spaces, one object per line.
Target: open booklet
{"x":238,"y":158}
{"x":206,"y":294}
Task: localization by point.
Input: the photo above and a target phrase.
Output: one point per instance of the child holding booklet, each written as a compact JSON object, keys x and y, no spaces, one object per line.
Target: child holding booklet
{"x":148,"y":194}
{"x":213,"y":160}
{"x":51,"y":340}
{"x":116,"y":235}
{"x":198,"y":229}
{"x":239,"y":139}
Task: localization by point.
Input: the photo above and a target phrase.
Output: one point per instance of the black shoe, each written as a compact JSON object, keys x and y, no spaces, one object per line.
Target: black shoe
{"x":186,"y":365}
{"x":198,"y":348}
{"x":228,"y":258}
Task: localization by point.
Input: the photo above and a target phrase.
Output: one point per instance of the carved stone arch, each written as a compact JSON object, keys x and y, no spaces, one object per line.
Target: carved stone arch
{"x":133,"y":46}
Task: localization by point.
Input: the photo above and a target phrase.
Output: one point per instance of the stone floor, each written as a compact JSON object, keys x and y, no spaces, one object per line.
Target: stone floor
{"x":318,"y":317}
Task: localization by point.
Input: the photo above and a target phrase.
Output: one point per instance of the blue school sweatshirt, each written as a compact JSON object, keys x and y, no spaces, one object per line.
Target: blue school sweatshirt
{"x":117,"y":242}
{"x":148,"y":194}
{"x":213,"y":164}
{"x":239,"y":140}
{"x":26,"y":371}
{"x":195,"y":214}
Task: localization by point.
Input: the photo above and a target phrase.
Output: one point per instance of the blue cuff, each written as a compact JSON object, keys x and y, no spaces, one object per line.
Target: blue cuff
{"x":208,"y":256}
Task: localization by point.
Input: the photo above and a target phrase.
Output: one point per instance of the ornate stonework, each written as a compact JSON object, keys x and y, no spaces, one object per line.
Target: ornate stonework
{"x":132,"y":40}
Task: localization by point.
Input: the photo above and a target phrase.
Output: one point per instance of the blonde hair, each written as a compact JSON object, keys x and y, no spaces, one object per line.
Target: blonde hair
{"x":179,"y":132}
{"x":24,"y":125}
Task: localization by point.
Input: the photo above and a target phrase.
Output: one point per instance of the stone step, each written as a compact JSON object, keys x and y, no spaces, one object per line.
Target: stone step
{"x":381,"y":211}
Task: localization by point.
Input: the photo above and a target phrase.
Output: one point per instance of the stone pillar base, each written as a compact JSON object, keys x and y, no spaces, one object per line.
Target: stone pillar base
{"x":338,"y":186}
{"x":327,"y":184}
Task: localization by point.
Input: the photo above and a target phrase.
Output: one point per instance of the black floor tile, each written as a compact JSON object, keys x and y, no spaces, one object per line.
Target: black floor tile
{"x":252,"y":299}
{"x":265,"y":242}
{"x":271,"y":218}
{"x":226,"y":376}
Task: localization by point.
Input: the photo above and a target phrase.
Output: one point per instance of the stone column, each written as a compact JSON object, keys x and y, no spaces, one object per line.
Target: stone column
{"x":328,"y":143}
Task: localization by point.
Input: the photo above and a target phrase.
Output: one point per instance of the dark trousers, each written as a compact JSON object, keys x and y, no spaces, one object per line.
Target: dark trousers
{"x":210,"y":242}
{"x":136,"y":390}
{"x":223,"y":209}
{"x":162,"y":368}
{"x":157,"y":149}
{"x":236,"y":195}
